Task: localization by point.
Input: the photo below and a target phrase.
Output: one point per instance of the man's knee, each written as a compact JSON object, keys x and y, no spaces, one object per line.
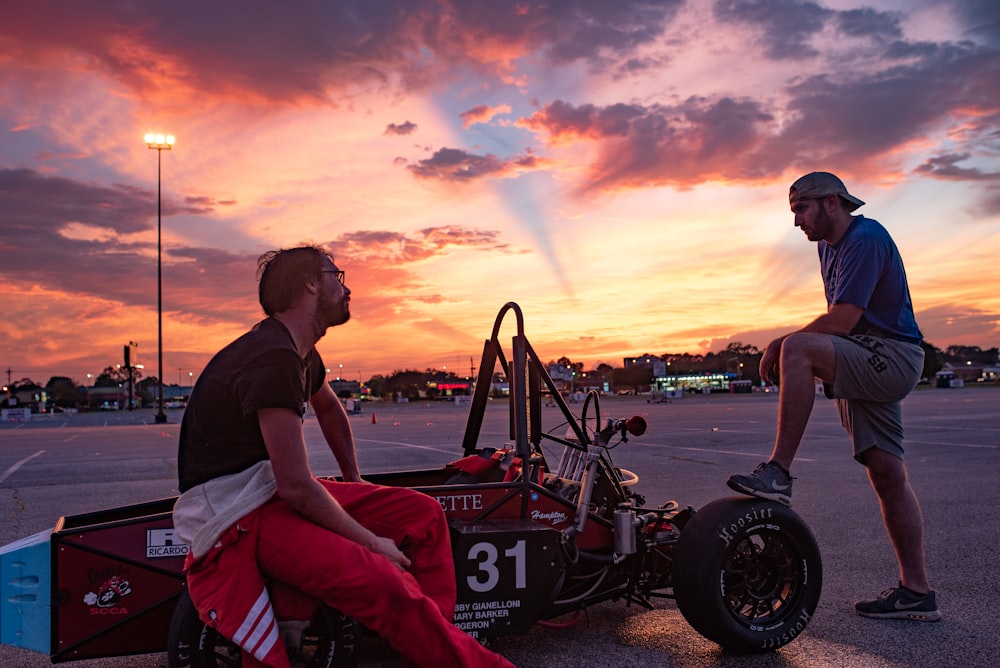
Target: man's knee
{"x":815,"y":351}
{"x":421,"y":508}
{"x":885,"y":470}
{"x":421,"y":502}
{"x":806,"y":345}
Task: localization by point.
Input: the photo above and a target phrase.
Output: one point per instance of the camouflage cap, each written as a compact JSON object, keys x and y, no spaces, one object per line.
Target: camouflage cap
{"x":820,"y":184}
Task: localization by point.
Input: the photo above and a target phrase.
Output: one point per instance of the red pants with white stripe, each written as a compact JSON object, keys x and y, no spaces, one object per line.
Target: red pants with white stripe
{"x":412,"y":610}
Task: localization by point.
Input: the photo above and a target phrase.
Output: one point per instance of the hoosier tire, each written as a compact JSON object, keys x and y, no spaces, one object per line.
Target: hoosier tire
{"x":331,"y":641}
{"x":747,"y":574}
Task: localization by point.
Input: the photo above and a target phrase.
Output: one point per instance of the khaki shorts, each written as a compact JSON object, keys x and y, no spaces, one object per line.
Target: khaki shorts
{"x":874,"y":374}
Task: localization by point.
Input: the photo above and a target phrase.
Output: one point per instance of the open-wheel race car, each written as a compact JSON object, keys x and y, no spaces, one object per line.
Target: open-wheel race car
{"x":542,"y":527}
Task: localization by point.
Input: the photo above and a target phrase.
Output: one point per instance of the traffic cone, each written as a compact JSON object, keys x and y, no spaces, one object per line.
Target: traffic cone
{"x":374,"y":421}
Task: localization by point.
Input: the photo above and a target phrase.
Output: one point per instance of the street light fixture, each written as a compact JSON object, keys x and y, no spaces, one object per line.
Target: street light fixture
{"x":159,"y":143}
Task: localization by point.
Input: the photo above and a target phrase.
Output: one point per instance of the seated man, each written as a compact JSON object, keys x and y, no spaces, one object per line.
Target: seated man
{"x":251,"y":508}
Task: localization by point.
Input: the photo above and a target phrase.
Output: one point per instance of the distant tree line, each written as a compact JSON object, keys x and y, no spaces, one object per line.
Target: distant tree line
{"x":63,"y":392}
{"x":737,"y":358}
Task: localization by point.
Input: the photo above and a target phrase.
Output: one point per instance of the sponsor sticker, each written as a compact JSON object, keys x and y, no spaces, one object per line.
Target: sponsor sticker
{"x":107,"y":600}
{"x":162,"y":543}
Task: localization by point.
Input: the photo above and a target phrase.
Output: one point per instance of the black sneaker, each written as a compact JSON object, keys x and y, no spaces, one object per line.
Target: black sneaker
{"x":901,"y":603}
{"x":768,"y":481}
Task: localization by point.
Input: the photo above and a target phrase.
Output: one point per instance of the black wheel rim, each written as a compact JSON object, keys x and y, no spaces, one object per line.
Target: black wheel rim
{"x":762,"y":578}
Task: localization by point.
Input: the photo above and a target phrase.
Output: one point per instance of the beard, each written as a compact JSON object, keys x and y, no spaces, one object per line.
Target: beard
{"x":331,"y":312}
{"x":821,"y":227}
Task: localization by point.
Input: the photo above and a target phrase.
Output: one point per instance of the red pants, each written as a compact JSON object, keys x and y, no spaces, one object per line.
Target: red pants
{"x":411,"y":610}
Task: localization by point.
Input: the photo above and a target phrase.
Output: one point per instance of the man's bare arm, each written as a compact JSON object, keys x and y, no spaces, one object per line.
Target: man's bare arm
{"x":839,"y":320}
{"x":336,"y":427}
{"x":282,"y":431}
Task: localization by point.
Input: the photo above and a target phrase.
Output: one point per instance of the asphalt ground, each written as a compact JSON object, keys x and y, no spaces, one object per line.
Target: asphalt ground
{"x":69,"y":464}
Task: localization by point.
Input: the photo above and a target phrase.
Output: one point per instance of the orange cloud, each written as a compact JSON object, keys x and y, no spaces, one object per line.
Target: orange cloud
{"x":482,"y":113}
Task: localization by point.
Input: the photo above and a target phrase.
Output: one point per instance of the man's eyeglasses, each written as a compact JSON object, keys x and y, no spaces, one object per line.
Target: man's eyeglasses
{"x":337,"y":272}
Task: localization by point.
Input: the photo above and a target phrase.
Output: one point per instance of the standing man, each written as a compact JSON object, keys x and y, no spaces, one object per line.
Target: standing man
{"x":866,"y":350}
{"x":251,"y":508}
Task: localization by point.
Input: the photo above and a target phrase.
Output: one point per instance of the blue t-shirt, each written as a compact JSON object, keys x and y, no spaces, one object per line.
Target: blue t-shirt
{"x":864,"y":268}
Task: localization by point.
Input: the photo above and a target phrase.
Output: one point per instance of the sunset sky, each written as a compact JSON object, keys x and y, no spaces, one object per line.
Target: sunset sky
{"x":618,"y":168}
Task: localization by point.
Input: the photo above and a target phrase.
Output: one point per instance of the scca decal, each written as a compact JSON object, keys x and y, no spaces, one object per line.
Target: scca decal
{"x":105,"y":600}
{"x":108,"y":611}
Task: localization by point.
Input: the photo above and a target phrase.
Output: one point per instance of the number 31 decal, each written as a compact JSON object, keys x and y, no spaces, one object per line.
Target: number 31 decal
{"x":486,"y":554}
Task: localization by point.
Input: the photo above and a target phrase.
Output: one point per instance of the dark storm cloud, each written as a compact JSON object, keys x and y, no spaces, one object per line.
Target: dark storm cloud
{"x":695,"y":140}
{"x":788,"y":26}
{"x":39,"y":210}
{"x":262,"y":50}
{"x":256,"y":48}
{"x":981,"y":19}
{"x":587,"y":120}
{"x":848,"y":121}
{"x":564,"y":31}
{"x":868,"y":22}
{"x":837,"y":120}
{"x":947,"y":167}
{"x":31,"y":201}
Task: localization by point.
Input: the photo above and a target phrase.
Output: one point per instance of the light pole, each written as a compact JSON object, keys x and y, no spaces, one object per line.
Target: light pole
{"x":159,"y":143}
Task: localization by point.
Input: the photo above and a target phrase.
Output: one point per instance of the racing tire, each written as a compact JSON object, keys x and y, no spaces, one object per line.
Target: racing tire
{"x":332,"y":640}
{"x":747,"y":574}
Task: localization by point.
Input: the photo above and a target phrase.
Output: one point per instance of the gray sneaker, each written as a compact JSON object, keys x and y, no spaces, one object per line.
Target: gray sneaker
{"x":768,"y":481}
{"x":901,"y":603}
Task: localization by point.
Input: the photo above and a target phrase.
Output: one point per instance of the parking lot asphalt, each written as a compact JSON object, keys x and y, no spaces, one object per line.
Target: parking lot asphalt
{"x":68,"y":464}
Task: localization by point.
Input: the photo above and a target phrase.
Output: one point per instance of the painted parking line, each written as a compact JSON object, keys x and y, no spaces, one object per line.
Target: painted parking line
{"x":13,"y":469}
{"x":449,"y":451}
{"x":911,"y":441}
{"x":738,"y":453}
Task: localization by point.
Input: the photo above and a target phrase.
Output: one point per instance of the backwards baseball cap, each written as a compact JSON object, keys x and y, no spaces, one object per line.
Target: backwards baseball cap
{"x":820,"y":184}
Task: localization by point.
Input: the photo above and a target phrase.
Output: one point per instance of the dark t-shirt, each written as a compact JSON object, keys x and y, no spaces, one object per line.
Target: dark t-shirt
{"x":220,"y":434}
{"x":864,"y":268}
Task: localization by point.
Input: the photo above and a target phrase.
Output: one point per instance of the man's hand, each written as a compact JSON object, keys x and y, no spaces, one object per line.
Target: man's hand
{"x":388,"y":549}
{"x":769,"y":362}
{"x":839,"y":321}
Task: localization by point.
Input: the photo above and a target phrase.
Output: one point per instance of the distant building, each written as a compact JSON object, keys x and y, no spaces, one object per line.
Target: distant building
{"x":107,"y":398}
{"x":697,"y":382}
{"x":561,"y":372}
{"x":27,"y":396}
{"x":657,"y":364}
{"x":342,"y":386}
{"x":956,"y":375}
{"x":451,"y":389}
